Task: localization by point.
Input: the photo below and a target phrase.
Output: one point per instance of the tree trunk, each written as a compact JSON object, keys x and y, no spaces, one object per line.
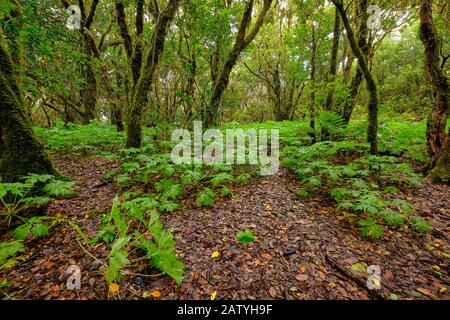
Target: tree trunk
{"x":371,"y":85}
{"x":312,"y":106}
{"x":20,"y":152}
{"x":333,"y":61}
{"x":89,"y":91}
{"x":437,"y":139}
{"x":212,"y":113}
{"x":140,"y":96}
{"x":357,"y":79}
{"x":333,"y":70}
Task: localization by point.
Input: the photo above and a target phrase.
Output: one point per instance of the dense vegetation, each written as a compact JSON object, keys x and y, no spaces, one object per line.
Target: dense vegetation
{"x":358,"y":91}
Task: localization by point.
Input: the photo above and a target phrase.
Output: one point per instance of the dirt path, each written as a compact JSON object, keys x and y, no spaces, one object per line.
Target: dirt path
{"x":288,"y":260}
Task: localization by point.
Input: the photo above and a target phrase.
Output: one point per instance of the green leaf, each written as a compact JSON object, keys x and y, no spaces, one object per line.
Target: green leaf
{"x":225,"y":192}
{"x":205,"y":198}
{"x":10,"y":249}
{"x":246,"y":236}
{"x":360,"y":269}
{"x":221,"y":178}
{"x":169,"y":206}
{"x":370,"y":228}
{"x":393,"y":218}
{"x":60,"y":189}
{"x":302,"y":193}
{"x":117,"y":217}
{"x":34,"y":178}
{"x":172,"y":192}
{"x":40,"y":230}
{"x":22,"y":232}
{"x":421,"y":225}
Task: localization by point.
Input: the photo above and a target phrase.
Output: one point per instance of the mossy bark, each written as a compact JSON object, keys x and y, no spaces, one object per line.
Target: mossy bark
{"x":364,"y":67}
{"x":242,"y":41}
{"x":441,"y":171}
{"x":312,"y":106}
{"x":437,"y":139}
{"x":140,"y":96}
{"x":20,"y":152}
{"x":358,"y":77}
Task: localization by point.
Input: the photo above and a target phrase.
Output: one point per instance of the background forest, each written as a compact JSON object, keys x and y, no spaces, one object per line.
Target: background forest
{"x":91,"y":91}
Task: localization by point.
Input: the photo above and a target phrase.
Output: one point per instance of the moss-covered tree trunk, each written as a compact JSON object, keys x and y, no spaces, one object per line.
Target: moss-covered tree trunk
{"x":437,"y":139}
{"x":20,"y":152}
{"x":372,"y":129}
{"x":241,"y":42}
{"x":312,"y":106}
{"x":333,"y":61}
{"x":358,"y":77}
{"x":140,"y":96}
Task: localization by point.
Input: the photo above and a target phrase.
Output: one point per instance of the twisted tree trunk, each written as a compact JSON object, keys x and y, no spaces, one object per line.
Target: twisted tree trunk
{"x":140,"y":95}
{"x":242,"y":41}
{"x":438,"y":141}
{"x":364,"y":67}
{"x":357,"y":79}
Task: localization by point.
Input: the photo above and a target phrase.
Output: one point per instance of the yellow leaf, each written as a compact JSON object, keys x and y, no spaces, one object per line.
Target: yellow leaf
{"x":113,"y":288}
{"x":213,"y":295}
{"x":215,"y":254}
{"x":442,"y":290}
{"x":156,"y":294}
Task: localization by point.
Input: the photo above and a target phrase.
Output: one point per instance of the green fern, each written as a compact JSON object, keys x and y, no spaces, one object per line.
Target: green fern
{"x":205,"y":198}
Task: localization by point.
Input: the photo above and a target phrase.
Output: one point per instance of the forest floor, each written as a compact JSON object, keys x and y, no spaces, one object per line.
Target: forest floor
{"x":300,"y":251}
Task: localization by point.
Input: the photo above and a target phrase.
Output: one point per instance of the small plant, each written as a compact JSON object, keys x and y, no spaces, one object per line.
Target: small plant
{"x":155,"y":244}
{"x":35,"y":226}
{"x":225,"y":192}
{"x":370,"y":228}
{"x":9,"y":250}
{"x":246,"y":236}
{"x":205,"y":198}
{"x":221,"y":178}
{"x":36,"y":190}
{"x":421,"y":225}
{"x":302,"y":193}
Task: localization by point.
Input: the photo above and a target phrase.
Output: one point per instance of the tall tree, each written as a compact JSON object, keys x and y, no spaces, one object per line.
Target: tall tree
{"x":363,"y":44}
{"x":241,"y":42}
{"x":371,"y":84}
{"x":333,"y":60}
{"x":20,"y":152}
{"x":140,"y":98}
{"x":312,"y":106}
{"x":438,"y":141}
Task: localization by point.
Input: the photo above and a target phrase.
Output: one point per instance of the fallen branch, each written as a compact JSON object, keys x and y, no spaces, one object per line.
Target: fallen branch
{"x":359,"y":280}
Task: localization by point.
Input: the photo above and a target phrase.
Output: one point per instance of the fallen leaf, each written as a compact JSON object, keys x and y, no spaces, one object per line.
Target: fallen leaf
{"x":426,"y":292}
{"x":214,"y":295}
{"x":266,"y":256}
{"x":156,"y":294}
{"x":301,"y":277}
{"x":215,"y":254}
{"x":273,"y":292}
{"x":113,"y":288}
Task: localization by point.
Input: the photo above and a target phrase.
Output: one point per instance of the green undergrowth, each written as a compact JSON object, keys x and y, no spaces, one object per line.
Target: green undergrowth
{"x":137,"y":240}
{"x":364,"y":187}
{"x":150,"y":173}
